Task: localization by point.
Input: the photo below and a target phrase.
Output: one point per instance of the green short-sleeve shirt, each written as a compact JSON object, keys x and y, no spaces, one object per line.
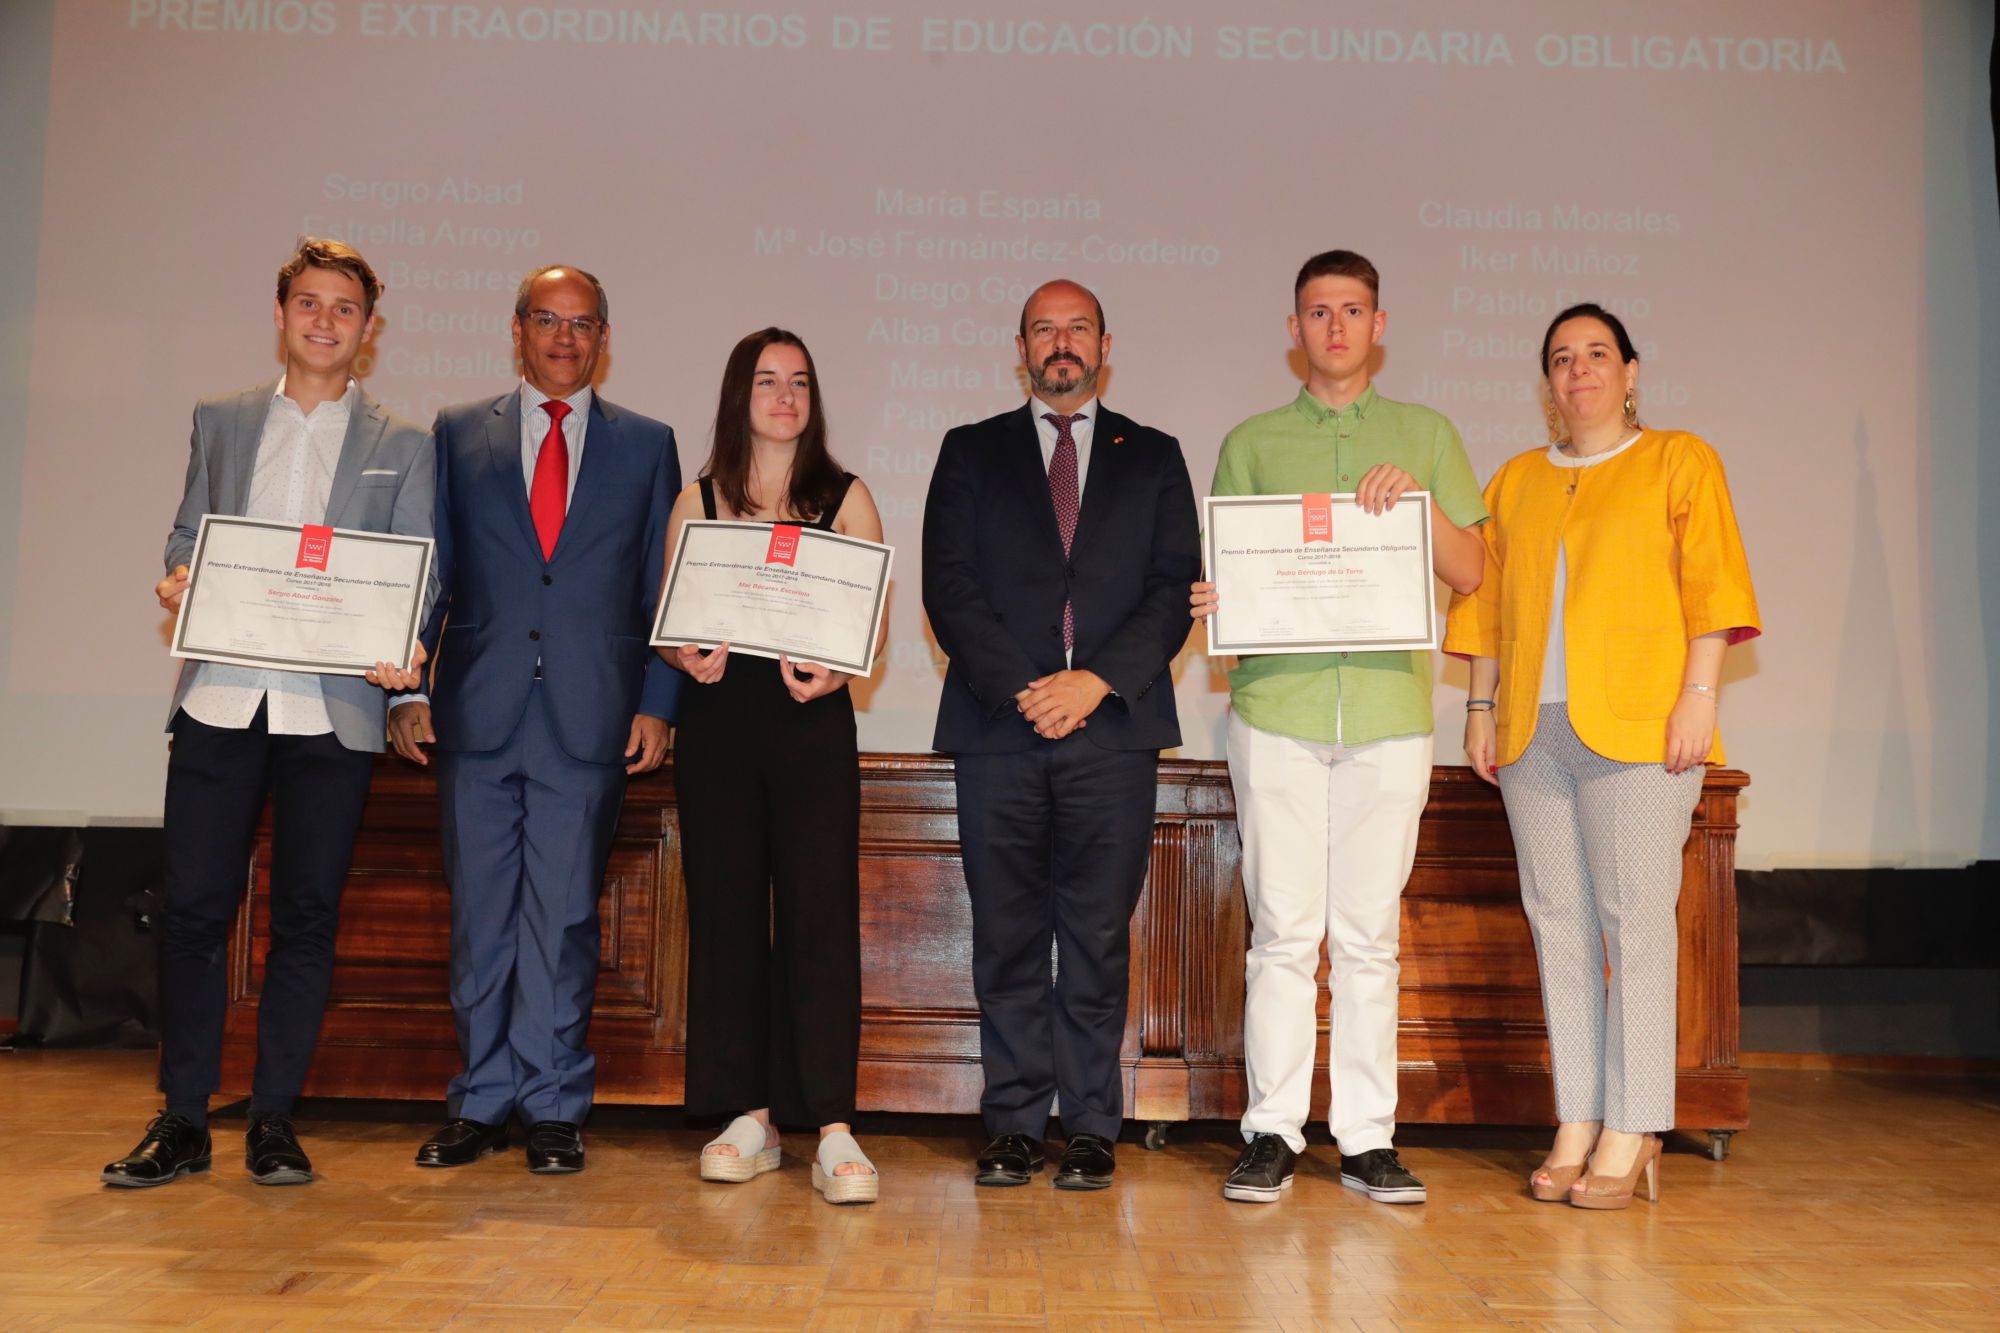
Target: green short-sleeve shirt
{"x":1305,"y":447}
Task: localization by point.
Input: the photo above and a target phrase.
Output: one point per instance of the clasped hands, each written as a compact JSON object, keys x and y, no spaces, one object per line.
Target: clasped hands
{"x":1057,"y":704}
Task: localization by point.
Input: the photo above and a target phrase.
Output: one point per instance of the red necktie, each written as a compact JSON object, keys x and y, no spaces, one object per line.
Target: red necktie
{"x":548,"y":498}
{"x":1063,"y":495}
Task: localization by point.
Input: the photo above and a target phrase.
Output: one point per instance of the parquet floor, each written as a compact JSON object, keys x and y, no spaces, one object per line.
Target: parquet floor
{"x":1856,"y":1201}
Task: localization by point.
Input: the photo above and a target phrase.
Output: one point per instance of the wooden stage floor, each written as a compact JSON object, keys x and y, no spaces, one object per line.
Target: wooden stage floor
{"x":1854,"y":1201}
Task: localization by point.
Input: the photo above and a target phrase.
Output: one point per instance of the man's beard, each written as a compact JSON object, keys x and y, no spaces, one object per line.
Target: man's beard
{"x":1047,"y":386}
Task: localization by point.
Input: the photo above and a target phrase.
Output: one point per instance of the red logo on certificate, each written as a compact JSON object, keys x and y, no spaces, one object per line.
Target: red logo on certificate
{"x":1319,"y":517}
{"x":314,"y":543}
{"x":784,"y":544}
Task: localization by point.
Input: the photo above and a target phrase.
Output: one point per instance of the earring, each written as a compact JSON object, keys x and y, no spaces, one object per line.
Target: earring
{"x":1556,"y":432}
{"x":1631,"y":407}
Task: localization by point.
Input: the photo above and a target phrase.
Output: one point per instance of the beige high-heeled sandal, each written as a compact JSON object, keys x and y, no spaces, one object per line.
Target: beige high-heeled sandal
{"x":1611,"y":1192}
{"x":752,"y":1157}
{"x":1559,"y":1178}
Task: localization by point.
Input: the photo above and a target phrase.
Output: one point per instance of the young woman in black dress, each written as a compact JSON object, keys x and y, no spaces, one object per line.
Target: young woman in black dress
{"x":770,"y":811}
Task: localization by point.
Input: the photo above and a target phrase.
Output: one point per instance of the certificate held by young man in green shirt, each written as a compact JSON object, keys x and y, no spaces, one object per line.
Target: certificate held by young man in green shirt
{"x":1318,"y":574}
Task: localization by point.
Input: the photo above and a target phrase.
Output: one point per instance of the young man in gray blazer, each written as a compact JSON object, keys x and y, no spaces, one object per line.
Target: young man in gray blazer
{"x":310,"y":447}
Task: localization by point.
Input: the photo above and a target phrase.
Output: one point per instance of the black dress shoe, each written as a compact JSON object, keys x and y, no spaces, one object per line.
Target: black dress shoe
{"x":1087,"y":1163}
{"x":1378,"y":1174}
{"x":462,"y":1142}
{"x":271,"y":1150}
{"x":174,"y":1146}
{"x":555,"y":1148}
{"x":1009,"y":1160}
{"x":1262,"y":1172}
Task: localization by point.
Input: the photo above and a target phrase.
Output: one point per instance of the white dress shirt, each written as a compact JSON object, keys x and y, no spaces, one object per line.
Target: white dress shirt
{"x":292,"y":482}
{"x":535,"y":428}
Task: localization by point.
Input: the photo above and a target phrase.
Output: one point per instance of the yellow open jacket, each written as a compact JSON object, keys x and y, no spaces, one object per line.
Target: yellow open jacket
{"x":1653,"y":560}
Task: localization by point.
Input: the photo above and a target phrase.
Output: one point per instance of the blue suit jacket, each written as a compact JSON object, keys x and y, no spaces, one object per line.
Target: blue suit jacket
{"x":995,"y":579}
{"x":585,"y":613}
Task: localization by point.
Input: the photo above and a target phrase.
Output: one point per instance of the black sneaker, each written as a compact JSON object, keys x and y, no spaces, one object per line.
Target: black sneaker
{"x":272,"y":1153}
{"x":1381,"y":1177}
{"x":1262,"y":1172}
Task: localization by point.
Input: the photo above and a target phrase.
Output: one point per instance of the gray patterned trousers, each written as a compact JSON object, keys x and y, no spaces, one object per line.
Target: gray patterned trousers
{"x":1599,"y":848}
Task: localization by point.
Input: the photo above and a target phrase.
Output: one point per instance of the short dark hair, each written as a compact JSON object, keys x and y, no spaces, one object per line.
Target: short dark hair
{"x":1591,"y":310}
{"x":521,"y":295}
{"x":315,"y":252}
{"x":817,"y":480}
{"x":1339,"y":264}
{"x":1097,"y":304}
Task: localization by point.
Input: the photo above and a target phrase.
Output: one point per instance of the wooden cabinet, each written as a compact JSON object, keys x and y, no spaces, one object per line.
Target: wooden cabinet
{"x":1473,"y":1047}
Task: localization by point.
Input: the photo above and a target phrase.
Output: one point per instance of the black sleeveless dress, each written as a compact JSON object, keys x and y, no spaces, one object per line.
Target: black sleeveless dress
{"x":770,"y":818}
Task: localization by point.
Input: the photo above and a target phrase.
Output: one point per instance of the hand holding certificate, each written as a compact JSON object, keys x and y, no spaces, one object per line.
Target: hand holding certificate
{"x":1318,"y":574}
{"x":300,"y":597}
{"x":775,"y":590}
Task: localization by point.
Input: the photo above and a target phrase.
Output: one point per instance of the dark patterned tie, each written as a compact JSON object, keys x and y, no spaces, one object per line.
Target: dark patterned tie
{"x":1063,"y":495}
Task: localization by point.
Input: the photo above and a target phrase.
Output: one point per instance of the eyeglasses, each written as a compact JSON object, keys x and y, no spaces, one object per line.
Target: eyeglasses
{"x":546,"y":322}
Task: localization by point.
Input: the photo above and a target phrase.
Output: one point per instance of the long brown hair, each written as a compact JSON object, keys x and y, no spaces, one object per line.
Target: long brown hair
{"x":816,"y":477}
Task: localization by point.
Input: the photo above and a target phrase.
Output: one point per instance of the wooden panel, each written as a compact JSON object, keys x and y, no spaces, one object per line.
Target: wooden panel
{"x":1472,"y":1043}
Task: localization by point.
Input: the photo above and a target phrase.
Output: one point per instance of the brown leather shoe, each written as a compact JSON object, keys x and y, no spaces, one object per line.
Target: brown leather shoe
{"x":1550,"y":1184}
{"x":1612,"y":1192}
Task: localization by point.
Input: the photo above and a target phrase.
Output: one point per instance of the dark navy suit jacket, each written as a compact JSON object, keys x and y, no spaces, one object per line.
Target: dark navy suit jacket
{"x":995,"y":579}
{"x":585,"y":613}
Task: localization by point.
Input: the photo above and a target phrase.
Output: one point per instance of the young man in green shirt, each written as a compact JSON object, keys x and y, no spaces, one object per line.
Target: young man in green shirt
{"x":1330,"y":754}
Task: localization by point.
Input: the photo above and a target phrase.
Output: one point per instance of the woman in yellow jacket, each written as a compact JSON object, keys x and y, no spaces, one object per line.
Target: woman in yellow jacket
{"x":1615,"y":578}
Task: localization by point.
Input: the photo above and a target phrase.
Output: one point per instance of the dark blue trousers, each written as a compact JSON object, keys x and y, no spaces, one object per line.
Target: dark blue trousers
{"x":217,"y":781}
{"x":527,"y":830}
{"x":1056,"y":840}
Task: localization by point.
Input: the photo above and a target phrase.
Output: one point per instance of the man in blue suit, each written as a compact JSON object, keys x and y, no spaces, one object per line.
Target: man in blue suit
{"x":1052,"y":538}
{"x":551,"y":536}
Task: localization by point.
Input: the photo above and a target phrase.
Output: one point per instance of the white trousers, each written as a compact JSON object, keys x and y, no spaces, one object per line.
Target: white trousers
{"x":1329,"y":834}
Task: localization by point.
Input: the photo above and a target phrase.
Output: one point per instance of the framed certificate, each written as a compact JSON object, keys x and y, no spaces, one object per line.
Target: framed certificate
{"x":1319,"y":574}
{"x":772,"y":588}
{"x":300,"y":597}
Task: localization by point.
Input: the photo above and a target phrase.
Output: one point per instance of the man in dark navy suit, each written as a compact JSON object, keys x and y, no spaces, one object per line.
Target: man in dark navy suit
{"x":1057,"y":540}
{"x":551,"y":533}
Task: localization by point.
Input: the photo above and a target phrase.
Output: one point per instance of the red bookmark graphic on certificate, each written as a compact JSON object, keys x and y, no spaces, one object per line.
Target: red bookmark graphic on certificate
{"x":784,"y":548}
{"x":1318,"y":510}
{"x":314,"y":543}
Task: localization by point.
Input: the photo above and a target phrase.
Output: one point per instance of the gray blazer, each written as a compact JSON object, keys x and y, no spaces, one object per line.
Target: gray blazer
{"x":385,"y":481}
